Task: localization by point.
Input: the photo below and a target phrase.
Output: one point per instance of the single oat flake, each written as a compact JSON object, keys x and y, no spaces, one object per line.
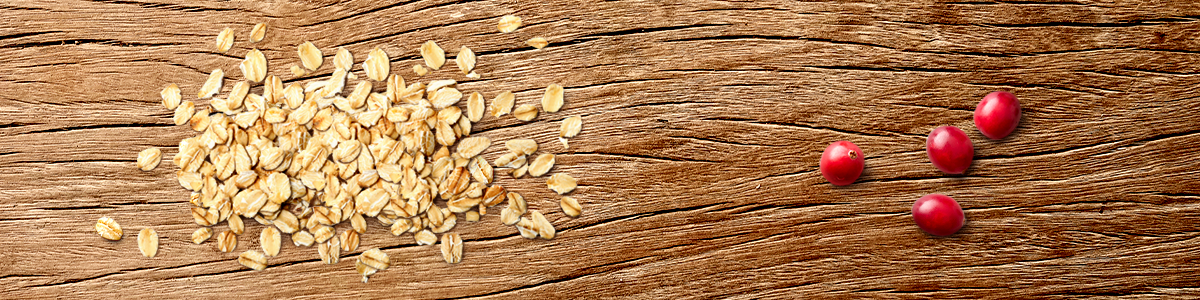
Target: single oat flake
{"x":561,"y":183}
{"x":171,"y":96}
{"x":425,"y":237}
{"x":502,"y":104}
{"x":465,"y":60}
{"x":451,"y":248}
{"x":475,"y":107}
{"x":258,"y":32}
{"x":349,"y":240}
{"x":226,"y":241}
{"x":201,"y":235}
{"x":254,"y":67}
{"x":509,"y":23}
{"x":525,"y":112}
{"x":377,"y":65}
{"x":148,"y":242}
{"x":521,"y":146}
{"x":433,"y":55}
{"x":552,"y":101}
{"x":212,"y":85}
{"x":375,"y":258}
{"x":541,"y":165}
{"x":571,"y":127}
{"x":225,"y":39}
{"x":310,"y":56}
{"x":570,"y":206}
{"x":472,"y":146}
{"x":302,"y":238}
{"x":543,"y":226}
{"x":253,"y":259}
{"x":109,"y":229}
{"x":537,"y":42}
{"x":270,"y":239}
{"x":343,"y":59}
{"x":149,"y":159}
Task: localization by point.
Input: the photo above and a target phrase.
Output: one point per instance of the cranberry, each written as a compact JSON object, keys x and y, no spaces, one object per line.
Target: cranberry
{"x":949,"y":149}
{"x":841,"y":163}
{"x":997,"y":114}
{"x":938,"y":214}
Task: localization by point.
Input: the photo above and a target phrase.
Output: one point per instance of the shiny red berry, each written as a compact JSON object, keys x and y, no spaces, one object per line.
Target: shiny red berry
{"x":949,"y":149}
{"x":938,"y":214}
{"x":998,"y":114}
{"x":841,"y":163}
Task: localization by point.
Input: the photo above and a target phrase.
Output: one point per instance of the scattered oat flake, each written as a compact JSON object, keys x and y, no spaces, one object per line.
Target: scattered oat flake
{"x":148,"y":159}
{"x":298,"y":71}
{"x":525,"y":112}
{"x":171,"y":96}
{"x":502,"y":104}
{"x":451,"y":248}
{"x":472,"y":146}
{"x":212,"y":85}
{"x":254,"y":67}
{"x":343,"y":59}
{"x":475,"y":107}
{"x":148,"y":242}
{"x":349,"y":240}
{"x":310,"y":56}
{"x":445,"y":97}
{"x":237,"y":95}
{"x":258,"y":32}
{"x":527,"y":228}
{"x":184,"y":112}
{"x":420,"y":70}
{"x":375,"y":258}
{"x":537,"y":42}
{"x":521,"y":146}
{"x":302,"y":238}
{"x":570,"y":206}
{"x":225,"y":39}
{"x":200,"y":235}
{"x":552,"y":101}
{"x":270,"y":239}
{"x":571,"y":126}
{"x":561,"y":183}
{"x":433,"y":55}
{"x":425,"y":237}
{"x":509,"y":23}
{"x":541,"y":165}
{"x":253,"y":259}
{"x":236,"y":224}
{"x":226,"y":241}
{"x":465,"y":60}
{"x":330,"y":252}
{"x":109,"y":229}
{"x":377,"y":65}
{"x":543,"y":226}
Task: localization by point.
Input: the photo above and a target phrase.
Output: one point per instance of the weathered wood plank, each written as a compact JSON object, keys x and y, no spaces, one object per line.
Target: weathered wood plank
{"x":697,"y":166}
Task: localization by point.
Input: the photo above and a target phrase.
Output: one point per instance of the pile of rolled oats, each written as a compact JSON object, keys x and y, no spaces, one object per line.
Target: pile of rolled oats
{"x":303,"y":158}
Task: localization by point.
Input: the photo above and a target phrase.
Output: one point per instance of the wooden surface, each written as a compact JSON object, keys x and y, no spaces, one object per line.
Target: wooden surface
{"x":703,"y":124}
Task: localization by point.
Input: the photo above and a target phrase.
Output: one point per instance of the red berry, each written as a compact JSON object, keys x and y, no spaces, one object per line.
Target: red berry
{"x":997,"y":114}
{"x":949,"y":149}
{"x":938,"y":214}
{"x":841,"y":163}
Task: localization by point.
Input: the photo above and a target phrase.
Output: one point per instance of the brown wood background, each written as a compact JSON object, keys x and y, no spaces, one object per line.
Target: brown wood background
{"x":703,"y":124}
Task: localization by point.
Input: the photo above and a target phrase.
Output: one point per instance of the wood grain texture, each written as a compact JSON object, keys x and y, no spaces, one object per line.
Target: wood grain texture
{"x":697,"y":166}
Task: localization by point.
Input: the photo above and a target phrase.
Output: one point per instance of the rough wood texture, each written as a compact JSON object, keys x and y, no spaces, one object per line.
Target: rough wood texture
{"x":697,"y":166}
